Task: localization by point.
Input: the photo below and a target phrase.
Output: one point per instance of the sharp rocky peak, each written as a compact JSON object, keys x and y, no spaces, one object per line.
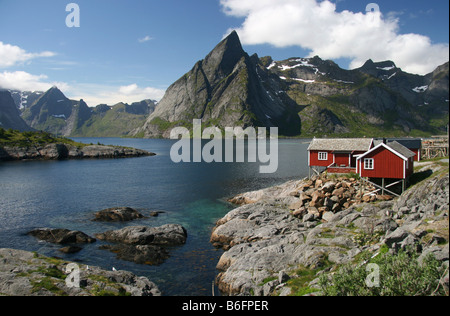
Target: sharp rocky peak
{"x":225,"y":55}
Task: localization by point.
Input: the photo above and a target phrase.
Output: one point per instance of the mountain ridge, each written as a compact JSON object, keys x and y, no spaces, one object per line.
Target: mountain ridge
{"x":301,"y":96}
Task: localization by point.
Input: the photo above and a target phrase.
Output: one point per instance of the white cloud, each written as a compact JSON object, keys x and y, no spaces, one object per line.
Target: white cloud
{"x":145,"y":39}
{"x":319,"y":28}
{"x":21,"y":80}
{"x":128,"y":90}
{"x":11,"y":55}
{"x":94,"y":94}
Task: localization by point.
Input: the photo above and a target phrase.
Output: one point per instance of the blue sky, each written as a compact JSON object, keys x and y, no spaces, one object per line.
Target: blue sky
{"x":131,"y":50}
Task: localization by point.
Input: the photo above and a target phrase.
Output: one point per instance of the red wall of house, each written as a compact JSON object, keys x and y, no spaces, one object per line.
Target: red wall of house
{"x":342,"y":159}
{"x":386,"y":165}
{"x":314,"y":159}
{"x":416,"y":151}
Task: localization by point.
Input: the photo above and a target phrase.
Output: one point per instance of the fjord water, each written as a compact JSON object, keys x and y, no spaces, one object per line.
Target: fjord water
{"x":66,"y":194}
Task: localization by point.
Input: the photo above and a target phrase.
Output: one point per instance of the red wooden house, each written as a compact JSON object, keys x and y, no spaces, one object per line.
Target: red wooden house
{"x":337,"y":155}
{"x":386,"y":161}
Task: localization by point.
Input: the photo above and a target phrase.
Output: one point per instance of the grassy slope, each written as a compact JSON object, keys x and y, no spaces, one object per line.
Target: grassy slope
{"x":114,"y":123}
{"x":13,"y":138}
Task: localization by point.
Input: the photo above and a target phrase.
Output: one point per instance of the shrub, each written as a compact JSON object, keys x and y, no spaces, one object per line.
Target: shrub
{"x":399,"y":275}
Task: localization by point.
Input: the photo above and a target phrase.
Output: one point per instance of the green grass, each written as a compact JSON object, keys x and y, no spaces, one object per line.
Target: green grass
{"x":13,"y":138}
{"x":399,"y":275}
{"x":300,"y":280}
{"x":112,"y":124}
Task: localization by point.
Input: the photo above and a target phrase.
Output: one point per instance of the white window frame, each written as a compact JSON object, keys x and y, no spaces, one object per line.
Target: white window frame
{"x":323,"y":156}
{"x":369,"y":164}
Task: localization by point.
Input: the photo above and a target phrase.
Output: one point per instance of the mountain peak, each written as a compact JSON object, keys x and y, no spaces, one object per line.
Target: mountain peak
{"x":54,"y":92}
{"x":225,"y":55}
{"x":382,"y":65}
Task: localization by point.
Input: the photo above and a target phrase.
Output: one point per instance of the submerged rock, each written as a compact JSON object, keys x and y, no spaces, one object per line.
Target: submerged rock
{"x":142,"y":244}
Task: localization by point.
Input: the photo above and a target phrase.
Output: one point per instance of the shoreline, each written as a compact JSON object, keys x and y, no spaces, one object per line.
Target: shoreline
{"x":60,"y":151}
{"x":275,"y":233}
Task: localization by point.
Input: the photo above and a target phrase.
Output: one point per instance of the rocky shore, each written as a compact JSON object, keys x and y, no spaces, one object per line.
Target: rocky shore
{"x":24,"y":273}
{"x":316,"y":226}
{"x":64,"y":151}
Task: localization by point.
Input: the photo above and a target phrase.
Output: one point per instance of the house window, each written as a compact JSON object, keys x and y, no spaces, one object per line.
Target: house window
{"x":368,"y":164}
{"x":323,"y":156}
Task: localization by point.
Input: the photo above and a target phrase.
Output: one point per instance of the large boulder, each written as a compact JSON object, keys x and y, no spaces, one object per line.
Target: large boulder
{"x":61,"y":236}
{"x":142,"y":244}
{"x":117,"y":214}
{"x":167,"y":235}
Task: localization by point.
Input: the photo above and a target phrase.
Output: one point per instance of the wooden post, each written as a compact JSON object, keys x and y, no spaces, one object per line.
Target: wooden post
{"x":403,"y":186}
{"x":382,"y":186}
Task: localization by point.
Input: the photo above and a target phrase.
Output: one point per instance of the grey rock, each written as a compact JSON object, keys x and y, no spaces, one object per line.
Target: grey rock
{"x":167,"y":235}
{"x":24,"y":273}
{"x":117,"y":214}
{"x":395,"y":237}
{"x":61,"y":236}
{"x":142,"y":244}
{"x":263,"y":240}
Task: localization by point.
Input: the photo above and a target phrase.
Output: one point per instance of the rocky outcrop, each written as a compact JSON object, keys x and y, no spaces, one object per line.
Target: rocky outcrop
{"x":166,"y":235}
{"x":265,"y":240}
{"x":61,"y":236}
{"x":25,"y":273}
{"x":315,"y":198}
{"x":64,"y":151}
{"x":117,"y":214}
{"x":142,"y":244}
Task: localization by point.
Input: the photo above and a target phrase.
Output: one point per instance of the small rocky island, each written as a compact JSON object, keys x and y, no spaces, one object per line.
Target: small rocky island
{"x":15,"y":145}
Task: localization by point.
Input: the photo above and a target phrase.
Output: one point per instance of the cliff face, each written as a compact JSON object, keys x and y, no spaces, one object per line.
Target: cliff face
{"x":224,"y":89}
{"x":9,"y":114}
{"x":301,"y":96}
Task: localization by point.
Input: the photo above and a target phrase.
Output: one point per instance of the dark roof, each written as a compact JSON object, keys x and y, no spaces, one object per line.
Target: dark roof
{"x":395,"y":147}
{"x":410,"y":143}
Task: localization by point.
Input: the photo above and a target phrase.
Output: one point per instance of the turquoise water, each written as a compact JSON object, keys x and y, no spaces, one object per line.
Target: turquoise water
{"x":66,"y":194}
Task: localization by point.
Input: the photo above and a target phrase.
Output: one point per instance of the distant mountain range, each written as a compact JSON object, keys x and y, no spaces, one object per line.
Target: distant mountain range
{"x":301,"y":96}
{"x":53,"y":112}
